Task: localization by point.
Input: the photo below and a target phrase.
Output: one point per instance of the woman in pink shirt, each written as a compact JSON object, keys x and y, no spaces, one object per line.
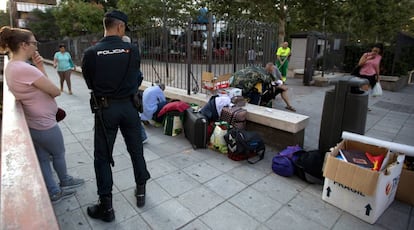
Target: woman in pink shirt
{"x":32,"y":88}
{"x":370,"y":66}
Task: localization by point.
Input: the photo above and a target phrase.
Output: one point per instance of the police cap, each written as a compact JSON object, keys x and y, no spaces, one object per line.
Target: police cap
{"x":120,"y":16}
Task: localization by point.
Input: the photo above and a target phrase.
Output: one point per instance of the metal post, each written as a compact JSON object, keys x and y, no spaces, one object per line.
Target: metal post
{"x":210,"y":41}
{"x":324,"y":42}
{"x":11,"y":12}
{"x":189,"y":54}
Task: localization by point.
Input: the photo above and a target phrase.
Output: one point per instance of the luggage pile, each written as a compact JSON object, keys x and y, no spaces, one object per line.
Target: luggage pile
{"x":221,"y":126}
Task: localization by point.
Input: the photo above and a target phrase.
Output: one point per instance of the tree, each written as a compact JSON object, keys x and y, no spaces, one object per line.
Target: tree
{"x":75,"y":17}
{"x":4,"y":18}
{"x":156,"y":12}
{"x":364,"y":21}
{"x":43,"y":24}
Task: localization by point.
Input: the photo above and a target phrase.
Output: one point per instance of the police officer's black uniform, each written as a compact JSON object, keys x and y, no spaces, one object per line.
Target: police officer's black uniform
{"x":106,"y":72}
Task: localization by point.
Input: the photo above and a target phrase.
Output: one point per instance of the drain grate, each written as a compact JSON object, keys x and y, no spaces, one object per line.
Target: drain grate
{"x":395,"y":107}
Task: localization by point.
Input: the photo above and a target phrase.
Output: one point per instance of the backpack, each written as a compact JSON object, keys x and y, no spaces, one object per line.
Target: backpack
{"x":282,"y":163}
{"x":309,"y":165}
{"x":243,"y":144}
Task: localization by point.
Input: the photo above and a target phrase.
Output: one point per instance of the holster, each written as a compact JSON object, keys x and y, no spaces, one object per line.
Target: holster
{"x":93,"y":103}
{"x":98,"y":103}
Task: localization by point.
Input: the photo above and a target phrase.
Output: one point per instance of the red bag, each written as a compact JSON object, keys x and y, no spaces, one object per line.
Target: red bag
{"x":60,"y":114}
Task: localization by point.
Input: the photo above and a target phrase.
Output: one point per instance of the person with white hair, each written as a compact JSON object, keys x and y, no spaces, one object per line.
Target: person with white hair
{"x":153,"y":99}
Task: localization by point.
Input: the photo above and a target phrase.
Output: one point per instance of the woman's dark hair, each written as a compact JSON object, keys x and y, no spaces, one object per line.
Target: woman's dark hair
{"x":10,"y":38}
{"x":62,"y":45}
{"x":379,"y":46}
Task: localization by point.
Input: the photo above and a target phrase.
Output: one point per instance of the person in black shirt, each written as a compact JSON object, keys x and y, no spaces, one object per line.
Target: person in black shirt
{"x":111,"y":69}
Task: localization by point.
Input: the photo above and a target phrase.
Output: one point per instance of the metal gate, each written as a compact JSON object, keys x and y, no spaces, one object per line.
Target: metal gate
{"x":177,"y":56}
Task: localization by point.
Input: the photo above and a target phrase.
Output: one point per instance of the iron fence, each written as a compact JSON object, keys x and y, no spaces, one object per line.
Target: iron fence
{"x":177,"y":56}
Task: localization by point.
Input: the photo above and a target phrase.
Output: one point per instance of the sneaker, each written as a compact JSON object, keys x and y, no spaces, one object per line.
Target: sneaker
{"x":146,"y":122}
{"x":145,"y":141}
{"x":63,"y":194}
{"x":72,"y":183}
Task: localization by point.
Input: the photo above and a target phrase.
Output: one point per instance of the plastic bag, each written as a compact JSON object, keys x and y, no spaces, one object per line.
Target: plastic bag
{"x":217,"y":141}
{"x":377,"y":90}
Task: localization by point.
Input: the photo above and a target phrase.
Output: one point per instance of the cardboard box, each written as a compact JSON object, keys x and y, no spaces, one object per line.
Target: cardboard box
{"x":362,"y":192}
{"x":405,"y":191}
{"x":210,"y":82}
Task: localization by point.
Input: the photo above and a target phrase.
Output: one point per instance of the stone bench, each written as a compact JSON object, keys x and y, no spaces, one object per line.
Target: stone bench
{"x":278,"y":128}
{"x":394,"y":84}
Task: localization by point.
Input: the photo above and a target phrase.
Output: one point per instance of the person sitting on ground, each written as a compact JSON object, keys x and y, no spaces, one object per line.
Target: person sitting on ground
{"x":153,"y":99}
{"x":278,"y":86}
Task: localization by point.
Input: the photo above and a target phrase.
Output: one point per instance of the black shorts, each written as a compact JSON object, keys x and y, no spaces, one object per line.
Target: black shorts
{"x":278,"y":90}
{"x":372,"y":79}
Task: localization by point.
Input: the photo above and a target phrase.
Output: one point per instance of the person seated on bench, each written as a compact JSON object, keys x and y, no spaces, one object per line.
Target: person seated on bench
{"x":153,"y":100}
{"x":278,"y":86}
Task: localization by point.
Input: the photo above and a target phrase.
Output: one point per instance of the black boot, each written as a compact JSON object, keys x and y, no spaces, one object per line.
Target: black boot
{"x":140,"y":195}
{"x":103,"y":210}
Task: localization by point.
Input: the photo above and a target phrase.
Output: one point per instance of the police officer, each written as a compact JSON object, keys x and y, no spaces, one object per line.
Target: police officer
{"x":111,"y":69}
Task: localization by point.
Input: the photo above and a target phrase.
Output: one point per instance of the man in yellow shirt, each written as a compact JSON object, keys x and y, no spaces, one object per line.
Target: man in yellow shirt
{"x":282,"y":62}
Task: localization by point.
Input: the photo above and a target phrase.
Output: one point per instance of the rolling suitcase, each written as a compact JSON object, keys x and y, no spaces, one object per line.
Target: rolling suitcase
{"x":195,"y":128}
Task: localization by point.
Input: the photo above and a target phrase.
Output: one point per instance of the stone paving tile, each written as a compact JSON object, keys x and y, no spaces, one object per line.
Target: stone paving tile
{"x":177,"y":183}
{"x":226,"y":186}
{"x":159,"y":168}
{"x":348,"y":221}
{"x":134,"y":223}
{"x":168,"y":215}
{"x":255,"y":204}
{"x":227,"y":216}
{"x":78,"y":158}
{"x":73,"y":220}
{"x":274,"y":187}
{"x":288,"y":218}
{"x":247,"y":175}
{"x":202,"y":172}
{"x":200,"y":200}
{"x":315,"y":208}
{"x":222,"y":162}
{"x":124,"y":179}
{"x":195,"y":225}
{"x":183,"y":159}
{"x":395,"y":217}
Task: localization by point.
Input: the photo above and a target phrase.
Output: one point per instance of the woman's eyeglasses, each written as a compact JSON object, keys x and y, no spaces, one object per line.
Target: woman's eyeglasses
{"x":35,"y":43}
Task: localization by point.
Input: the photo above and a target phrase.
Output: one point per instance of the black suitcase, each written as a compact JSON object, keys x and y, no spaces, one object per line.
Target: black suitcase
{"x":195,"y":128}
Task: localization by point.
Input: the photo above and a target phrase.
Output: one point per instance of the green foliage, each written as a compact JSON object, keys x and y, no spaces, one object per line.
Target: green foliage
{"x":75,"y":17}
{"x":43,"y":25}
{"x":4,"y":18}
{"x":156,"y":12}
{"x":260,"y":10}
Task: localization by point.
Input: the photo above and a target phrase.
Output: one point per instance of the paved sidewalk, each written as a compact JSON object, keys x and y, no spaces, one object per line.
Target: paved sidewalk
{"x":202,"y":189}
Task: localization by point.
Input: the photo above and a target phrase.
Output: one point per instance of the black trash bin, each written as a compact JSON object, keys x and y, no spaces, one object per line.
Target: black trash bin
{"x":345,"y":109}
